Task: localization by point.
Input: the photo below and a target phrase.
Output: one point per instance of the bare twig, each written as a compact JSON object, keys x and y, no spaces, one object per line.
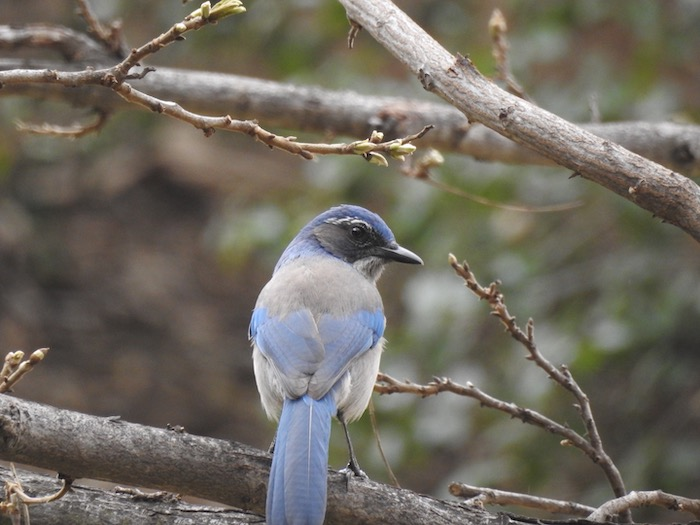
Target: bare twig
{"x":110,"y":36}
{"x":14,"y":368}
{"x":591,"y":445}
{"x":199,"y":18}
{"x":372,"y":149}
{"x":140,"y":495}
{"x":354,"y":30}
{"x":498,"y":29}
{"x":17,"y":501}
{"x":75,"y":131}
{"x":421,"y":169}
{"x":389,"y":385}
{"x":562,"y":376}
{"x":636,"y":499}
{"x":385,"y":460}
{"x":485,"y":496}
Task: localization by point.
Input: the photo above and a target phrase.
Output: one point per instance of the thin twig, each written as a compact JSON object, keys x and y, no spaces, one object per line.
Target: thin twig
{"x":155,"y":496}
{"x":17,"y":501}
{"x":74,"y":131}
{"x":375,"y":430}
{"x":421,"y":169}
{"x":485,"y":496}
{"x":194,"y":21}
{"x":636,"y":499}
{"x":369,"y":148}
{"x":389,"y":385}
{"x":562,"y":376}
{"x":110,"y":36}
{"x":372,"y":149}
{"x":354,"y":30}
{"x":498,"y":29}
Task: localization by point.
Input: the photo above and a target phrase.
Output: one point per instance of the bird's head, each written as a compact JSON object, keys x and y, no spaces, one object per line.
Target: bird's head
{"x":358,"y":237}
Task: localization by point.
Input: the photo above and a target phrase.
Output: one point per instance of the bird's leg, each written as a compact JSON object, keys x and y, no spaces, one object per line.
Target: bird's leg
{"x":353,"y":466}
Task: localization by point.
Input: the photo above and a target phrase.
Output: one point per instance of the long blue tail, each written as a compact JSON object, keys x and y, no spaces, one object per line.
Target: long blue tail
{"x":296,"y":492}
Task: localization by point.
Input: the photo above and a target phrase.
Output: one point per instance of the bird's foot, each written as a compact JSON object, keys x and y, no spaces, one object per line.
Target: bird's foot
{"x":353,"y":469}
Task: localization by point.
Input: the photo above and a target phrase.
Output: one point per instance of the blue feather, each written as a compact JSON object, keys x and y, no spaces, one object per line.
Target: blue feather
{"x":299,"y":474}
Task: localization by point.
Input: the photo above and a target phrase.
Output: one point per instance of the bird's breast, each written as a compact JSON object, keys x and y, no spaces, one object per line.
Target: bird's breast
{"x":322,"y":285}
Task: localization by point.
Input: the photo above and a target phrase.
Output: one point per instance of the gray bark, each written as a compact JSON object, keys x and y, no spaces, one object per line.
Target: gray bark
{"x":109,"y":449}
{"x":665,"y":193}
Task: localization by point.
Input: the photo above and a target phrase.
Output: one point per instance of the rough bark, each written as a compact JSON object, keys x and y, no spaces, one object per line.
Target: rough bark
{"x":319,"y":110}
{"x":667,"y":194}
{"x":109,"y":449}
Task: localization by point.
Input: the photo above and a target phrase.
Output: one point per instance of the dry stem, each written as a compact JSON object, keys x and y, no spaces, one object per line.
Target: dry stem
{"x":17,"y":501}
{"x":485,"y":496}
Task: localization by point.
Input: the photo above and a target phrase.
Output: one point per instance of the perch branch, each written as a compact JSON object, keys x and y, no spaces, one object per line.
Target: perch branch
{"x":113,"y":450}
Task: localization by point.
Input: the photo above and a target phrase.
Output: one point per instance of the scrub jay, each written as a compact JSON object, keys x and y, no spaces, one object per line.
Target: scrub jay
{"x":317,"y":338}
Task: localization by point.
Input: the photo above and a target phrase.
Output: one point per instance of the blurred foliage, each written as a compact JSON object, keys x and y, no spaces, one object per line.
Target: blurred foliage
{"x":137,"y":254}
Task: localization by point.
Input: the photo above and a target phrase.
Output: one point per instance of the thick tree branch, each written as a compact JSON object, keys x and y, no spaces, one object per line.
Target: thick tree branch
{"x":666,"y":194}
{"x":348,"y":113}
{"x":311,"y":108}
{"x":110,"y":449}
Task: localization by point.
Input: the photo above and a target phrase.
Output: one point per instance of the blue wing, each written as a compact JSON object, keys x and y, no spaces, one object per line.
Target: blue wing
{"x":301,"y":347}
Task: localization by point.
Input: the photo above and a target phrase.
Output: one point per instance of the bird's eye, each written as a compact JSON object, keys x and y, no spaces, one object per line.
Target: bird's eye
{"x":358,"y":232}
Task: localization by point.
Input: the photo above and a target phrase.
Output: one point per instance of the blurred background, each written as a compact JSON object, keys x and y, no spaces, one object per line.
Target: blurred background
{"x":137,"y":253}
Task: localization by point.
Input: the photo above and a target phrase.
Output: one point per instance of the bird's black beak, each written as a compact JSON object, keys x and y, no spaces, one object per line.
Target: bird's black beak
{"x":400,"y":254}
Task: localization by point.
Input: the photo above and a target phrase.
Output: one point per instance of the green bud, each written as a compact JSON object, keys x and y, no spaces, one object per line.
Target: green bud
{"x":226,"y":8}
{"x":377,"y":159}
{"x":401,"y":149}
{"x":432,"y":158}
{"x":205,"y":9}
{"x":377,"y":136}
{"x":362,"y":146}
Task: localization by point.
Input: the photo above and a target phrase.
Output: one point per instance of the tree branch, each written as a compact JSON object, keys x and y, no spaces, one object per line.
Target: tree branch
{"x":636,"y":499}
{"x":314,"y":109}
{"x":666,"y":194}
{"x":110,"y":449}
{"x":487,"y":496}
{"x":348,"y":113}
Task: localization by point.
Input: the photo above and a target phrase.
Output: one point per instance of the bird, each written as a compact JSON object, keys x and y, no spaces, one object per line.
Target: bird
{"x":317,"y":335}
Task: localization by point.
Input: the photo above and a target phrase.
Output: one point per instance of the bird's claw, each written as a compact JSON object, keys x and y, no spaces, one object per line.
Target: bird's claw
{"x":353,"y":470}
